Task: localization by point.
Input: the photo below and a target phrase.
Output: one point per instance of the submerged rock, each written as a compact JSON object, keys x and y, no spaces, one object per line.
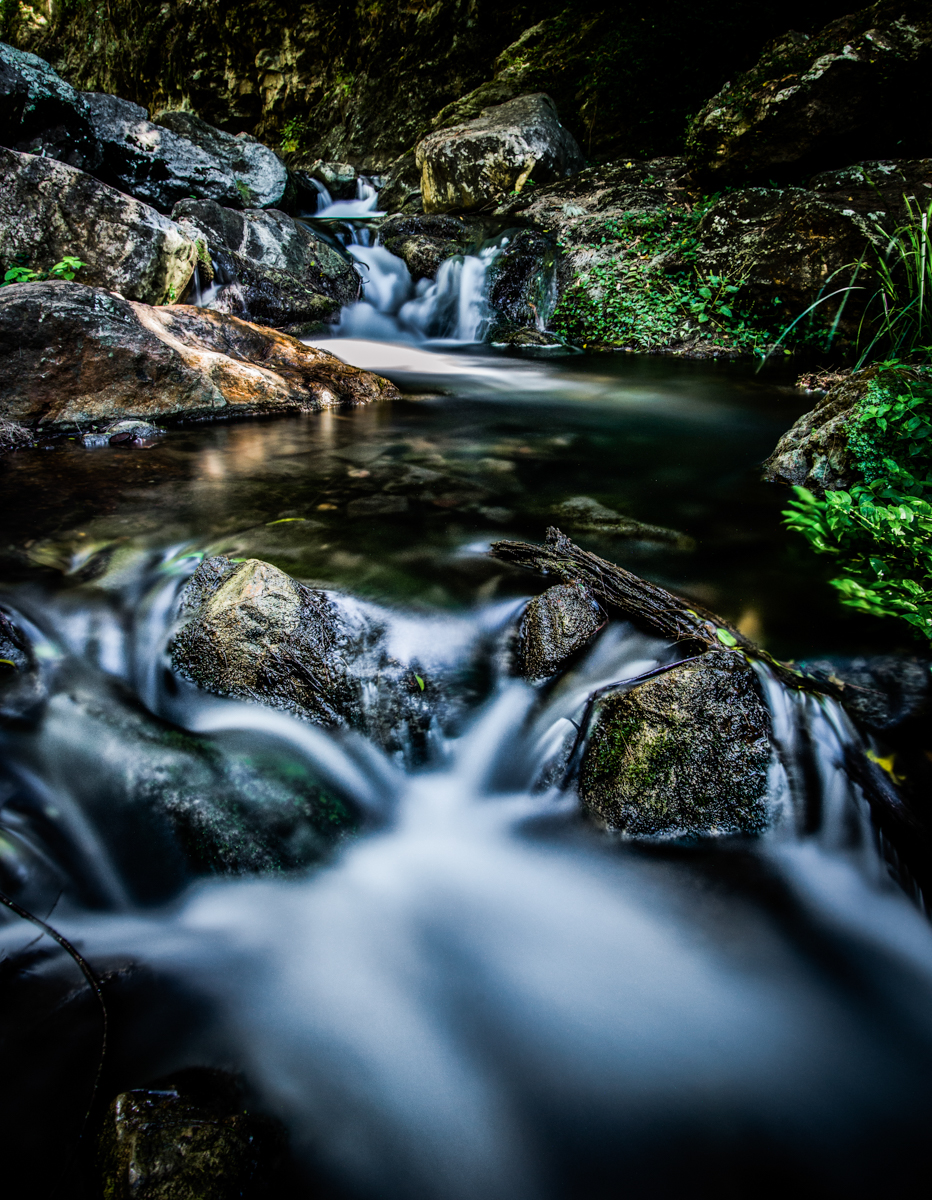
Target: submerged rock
{"x":256,"y":633}
{"x":845,"y":94}
{"x":71,"y":354}
{"x":161,"y":167}
{"x":186,"y":1138}
{"x":555,"y":626}
{"x":21,"y":685}
{"x":471,"y":165}
{"x":49,"y":210}
{"x":684,"y":753}
{"x":280,"y":272}
{"x":587,"y":515}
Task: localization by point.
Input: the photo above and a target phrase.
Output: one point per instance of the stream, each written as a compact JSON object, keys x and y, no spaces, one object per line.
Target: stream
{"x":470,"y":991}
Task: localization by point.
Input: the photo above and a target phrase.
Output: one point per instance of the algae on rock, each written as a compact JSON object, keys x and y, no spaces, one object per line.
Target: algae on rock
{"x":684,"y":753}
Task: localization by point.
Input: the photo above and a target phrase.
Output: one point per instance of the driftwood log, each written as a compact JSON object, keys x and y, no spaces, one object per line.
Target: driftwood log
{"x":648,"y":605}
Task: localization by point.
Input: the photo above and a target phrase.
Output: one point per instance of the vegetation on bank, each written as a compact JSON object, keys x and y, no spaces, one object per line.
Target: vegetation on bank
{"x":644,"y":290}
{"x":879,"y":530}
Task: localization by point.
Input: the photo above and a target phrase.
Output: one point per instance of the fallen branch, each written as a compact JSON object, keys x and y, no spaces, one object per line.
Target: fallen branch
{"x":648,"y":605}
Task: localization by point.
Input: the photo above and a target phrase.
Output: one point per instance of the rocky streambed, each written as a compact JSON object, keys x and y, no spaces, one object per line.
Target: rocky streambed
{"x":430,"y":766}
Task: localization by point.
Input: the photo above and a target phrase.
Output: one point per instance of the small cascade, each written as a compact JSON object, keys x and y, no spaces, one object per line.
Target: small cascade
{"x":454,"y":307}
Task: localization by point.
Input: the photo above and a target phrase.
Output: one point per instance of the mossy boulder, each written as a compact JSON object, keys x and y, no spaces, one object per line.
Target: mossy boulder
{"x":472,"y":165}
{"x":850,"y":92}
{"x":683,"y":753}
{"x":186,"y":1138}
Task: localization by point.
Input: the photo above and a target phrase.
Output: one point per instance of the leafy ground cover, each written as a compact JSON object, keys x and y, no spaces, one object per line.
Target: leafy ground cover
{"x":880,"y":529}
{"x":629,"y":297}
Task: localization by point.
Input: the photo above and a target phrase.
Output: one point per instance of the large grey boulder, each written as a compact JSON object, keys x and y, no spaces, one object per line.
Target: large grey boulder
{"x":684,"y":753}
{"x":71,"y":355}
{"x":49,"y":210}
{"x":852,"y":91}
{"x":259,"y":174}
{"x":40,"y":113}
{"x":255,"y":633}
{"x":159,"y":166}
{"x":471,"y":165}
{"x":277,"y":270}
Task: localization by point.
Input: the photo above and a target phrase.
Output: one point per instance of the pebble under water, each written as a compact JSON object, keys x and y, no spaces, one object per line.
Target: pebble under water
{"x":466,"y":990}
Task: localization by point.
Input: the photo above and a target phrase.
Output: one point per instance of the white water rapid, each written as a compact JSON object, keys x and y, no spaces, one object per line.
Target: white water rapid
{"x":477,"y":996}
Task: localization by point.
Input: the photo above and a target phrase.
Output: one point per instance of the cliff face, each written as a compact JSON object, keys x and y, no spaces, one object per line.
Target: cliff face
{"x":363,"y":81}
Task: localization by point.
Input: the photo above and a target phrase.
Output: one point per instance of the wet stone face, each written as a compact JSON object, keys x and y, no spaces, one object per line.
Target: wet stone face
{"x":684,"y":753}
{"x":556,"y":626}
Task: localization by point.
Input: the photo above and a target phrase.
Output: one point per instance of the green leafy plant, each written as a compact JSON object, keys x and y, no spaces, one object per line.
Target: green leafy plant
{"x":880,"y":530}
{"x":631,"y":298}
{"x":66,"y":269}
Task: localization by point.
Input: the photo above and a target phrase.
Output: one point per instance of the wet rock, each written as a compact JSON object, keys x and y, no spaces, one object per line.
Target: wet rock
{"x":837,"y":97}
{"x":21,"y":685}
{"x":259,"y":174}
{"x":425,"y":241}
{"x":888,"y":694}
{"x":522,"y":283}
{"x":471,"y":165}
{"x":814,"y":452}
{"x":555,"y":626}
{"x":49,"y":210}
{"x":503,"y":333}
{"x":587,"y":515}
{"x":73,"y":355}
{"x":683,"y":753}
{"x":280,"y":273}
{"x":153,"y":163}
{"x":123,"y":433}
{"x":167,"y":805}
{"x":260,"y":635}
{"x":338,"y":178}
{"x":781,"y":247}
{"x":40,"y":113}
{"x":186,"y":1138}
{"x":248,"y":630}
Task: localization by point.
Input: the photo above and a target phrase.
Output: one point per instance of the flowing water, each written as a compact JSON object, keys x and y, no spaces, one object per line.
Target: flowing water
{"x":467,"y":991}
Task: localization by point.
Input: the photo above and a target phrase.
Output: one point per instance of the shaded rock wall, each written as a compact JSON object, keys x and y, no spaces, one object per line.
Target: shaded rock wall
{"x":364,"y":82}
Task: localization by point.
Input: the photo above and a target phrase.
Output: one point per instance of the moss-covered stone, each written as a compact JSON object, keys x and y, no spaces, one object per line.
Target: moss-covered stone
{"x":824,"y":101}
{"x":684,"y":753}
{"x":185,"y":1139}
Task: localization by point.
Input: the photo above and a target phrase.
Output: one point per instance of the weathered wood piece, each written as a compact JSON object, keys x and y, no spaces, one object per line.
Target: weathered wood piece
{"x":648,"y":605}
